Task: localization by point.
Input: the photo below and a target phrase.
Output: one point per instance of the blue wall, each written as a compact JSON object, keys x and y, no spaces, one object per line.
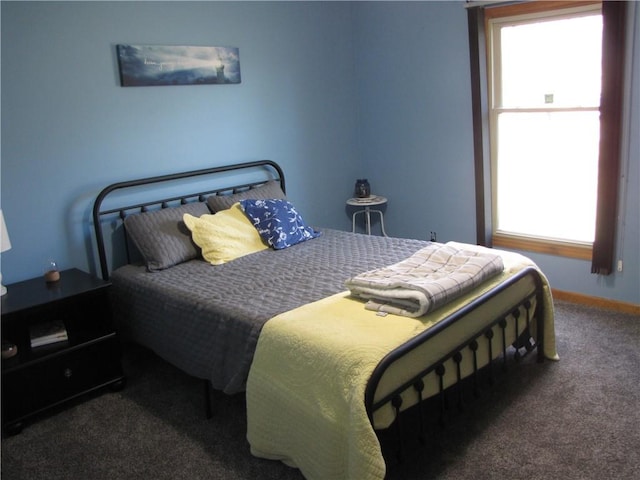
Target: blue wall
{"x":416,"y":136}
{"x":415,"y":115}
{"x":334,"y":91}
{"x":69,"y":129}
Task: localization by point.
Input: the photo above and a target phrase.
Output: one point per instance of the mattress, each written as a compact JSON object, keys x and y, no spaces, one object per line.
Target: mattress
{"x":206,"y":319}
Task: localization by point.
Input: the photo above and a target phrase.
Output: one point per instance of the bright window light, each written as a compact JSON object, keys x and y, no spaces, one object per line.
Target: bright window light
{"x":546,"y":127}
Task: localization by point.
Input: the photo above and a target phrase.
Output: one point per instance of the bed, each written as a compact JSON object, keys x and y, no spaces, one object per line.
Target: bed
{"x":323,"y":374}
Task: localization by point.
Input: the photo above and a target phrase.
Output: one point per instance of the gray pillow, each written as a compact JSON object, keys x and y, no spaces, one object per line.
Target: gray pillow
{"x":267,"y":191}
{"x":162,"y":237}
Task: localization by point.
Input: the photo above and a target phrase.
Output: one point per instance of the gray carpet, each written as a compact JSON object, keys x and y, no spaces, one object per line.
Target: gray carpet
{"x":575,"y":419}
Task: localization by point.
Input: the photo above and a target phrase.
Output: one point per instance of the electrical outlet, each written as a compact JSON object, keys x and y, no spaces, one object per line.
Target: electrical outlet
{"x":619,"y":265}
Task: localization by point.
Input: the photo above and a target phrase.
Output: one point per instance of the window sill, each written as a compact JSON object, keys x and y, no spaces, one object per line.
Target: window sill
{"x":551,"y":247}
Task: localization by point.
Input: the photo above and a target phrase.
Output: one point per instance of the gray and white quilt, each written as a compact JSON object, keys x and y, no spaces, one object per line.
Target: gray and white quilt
{"x":428,"y":279}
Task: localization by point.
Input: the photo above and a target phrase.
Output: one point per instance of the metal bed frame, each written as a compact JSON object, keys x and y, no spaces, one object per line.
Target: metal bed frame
{"x":100,"y":213}
{"x":520,"y":345}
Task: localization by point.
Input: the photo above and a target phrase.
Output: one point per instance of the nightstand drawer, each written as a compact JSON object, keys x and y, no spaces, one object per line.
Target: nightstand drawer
{"x":61,"y":377}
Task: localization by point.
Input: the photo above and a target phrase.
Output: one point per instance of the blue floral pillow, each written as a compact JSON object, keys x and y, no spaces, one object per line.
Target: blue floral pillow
{"x":278,"y":222}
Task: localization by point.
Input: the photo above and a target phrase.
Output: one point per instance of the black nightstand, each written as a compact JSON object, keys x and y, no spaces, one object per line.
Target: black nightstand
{"x":38,"y":378}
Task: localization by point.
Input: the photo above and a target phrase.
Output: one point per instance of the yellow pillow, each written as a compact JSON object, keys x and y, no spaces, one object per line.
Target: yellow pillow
{"x":227,"y":235}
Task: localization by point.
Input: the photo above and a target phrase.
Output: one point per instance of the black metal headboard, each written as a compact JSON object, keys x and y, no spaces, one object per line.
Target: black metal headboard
{"x":116,"y":213}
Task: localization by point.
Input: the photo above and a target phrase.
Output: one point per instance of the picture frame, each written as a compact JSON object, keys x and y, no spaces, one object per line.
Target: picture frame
{"x":162,"y":65}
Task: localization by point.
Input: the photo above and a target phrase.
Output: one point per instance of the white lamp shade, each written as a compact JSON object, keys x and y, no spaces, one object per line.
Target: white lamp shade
{"x":5,"y":243}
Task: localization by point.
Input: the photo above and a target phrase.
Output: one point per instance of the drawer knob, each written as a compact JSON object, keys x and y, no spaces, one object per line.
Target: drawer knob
{"x":67,"y":373}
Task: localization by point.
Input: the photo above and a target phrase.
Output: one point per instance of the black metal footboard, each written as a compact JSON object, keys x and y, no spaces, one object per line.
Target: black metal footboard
{"x":522,"y":339}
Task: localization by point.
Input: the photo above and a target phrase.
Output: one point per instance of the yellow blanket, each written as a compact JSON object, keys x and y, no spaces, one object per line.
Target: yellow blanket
{"x":305,"y":391}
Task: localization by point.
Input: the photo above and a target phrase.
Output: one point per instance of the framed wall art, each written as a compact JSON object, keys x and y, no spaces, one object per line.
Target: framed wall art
{"x":152,"y":65}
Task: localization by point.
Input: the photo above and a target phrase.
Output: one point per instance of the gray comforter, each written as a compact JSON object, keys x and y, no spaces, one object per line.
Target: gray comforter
{"x":206,"y":319}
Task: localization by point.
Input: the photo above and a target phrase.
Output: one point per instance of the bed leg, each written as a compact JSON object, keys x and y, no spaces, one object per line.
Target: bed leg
{"x":419,"y":387}
{"x":397,"y":403}
{"x":476,"y":384}
{"x":503,"y":326}
{"x":443,"y":402}
{"x":208,"y":411}
{"x":489,"y":335}
{"x":457,"y":358}
{"x":516,"y":355}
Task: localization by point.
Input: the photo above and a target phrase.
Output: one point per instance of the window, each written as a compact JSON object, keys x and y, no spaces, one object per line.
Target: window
{"x":547,"y":125}
{"x":544,"y":99}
